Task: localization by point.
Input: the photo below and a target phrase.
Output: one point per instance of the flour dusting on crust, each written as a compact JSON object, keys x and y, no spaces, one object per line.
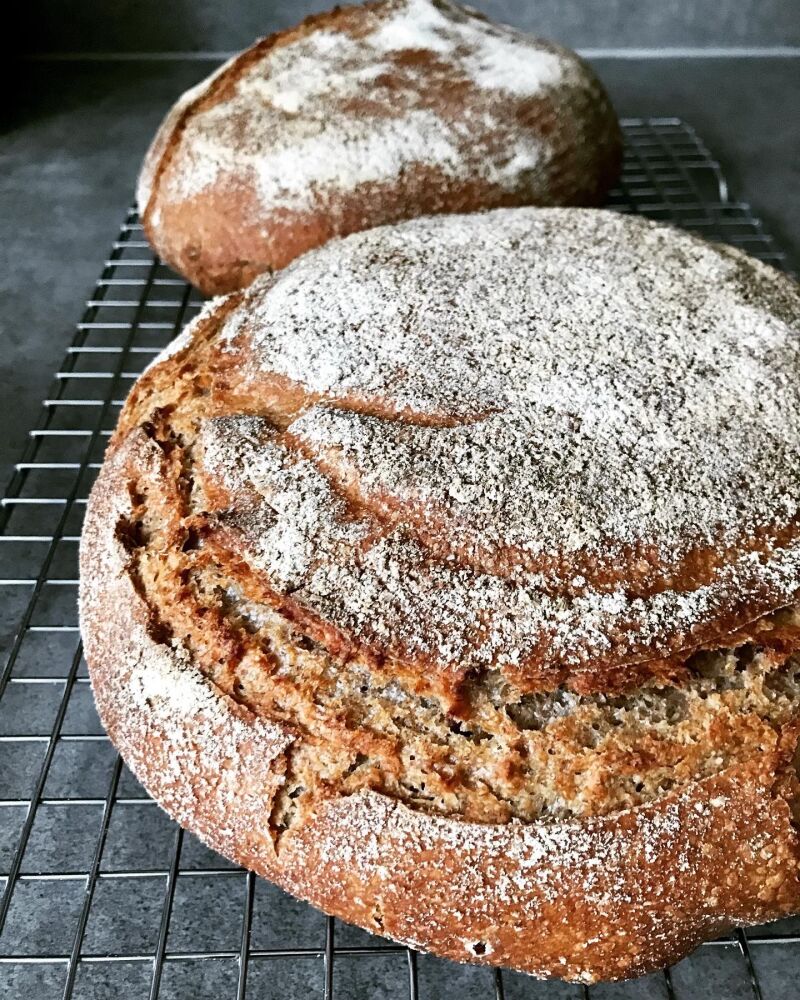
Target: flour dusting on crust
{"x":337,"y":110}
{"x":576,"y":435}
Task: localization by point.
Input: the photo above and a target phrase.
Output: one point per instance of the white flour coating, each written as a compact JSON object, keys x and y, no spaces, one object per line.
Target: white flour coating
{"x":592,"y":357}
{"x":332,"y":112}
{"x":168,"y":679}
{"x":144,"y":184}
{"x":621,"y":390}
{"x":492,"y":56}
{"x":526,"y":858}
{"x":165,"y":686}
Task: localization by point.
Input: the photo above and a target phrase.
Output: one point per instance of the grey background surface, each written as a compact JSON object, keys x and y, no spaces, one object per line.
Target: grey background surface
{"x":195,"y":25}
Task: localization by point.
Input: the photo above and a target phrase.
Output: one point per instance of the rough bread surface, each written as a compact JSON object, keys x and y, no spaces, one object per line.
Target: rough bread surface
{"x":365,"y":116}
{"x":456,"y":565}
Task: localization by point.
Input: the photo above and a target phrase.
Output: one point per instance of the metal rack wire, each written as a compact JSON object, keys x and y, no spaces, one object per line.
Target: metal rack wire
{"x":101,"y":894}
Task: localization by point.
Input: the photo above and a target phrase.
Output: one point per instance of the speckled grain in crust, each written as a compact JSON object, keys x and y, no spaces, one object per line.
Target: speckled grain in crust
{"x":319,"y":510}
{"x":363,"y":116}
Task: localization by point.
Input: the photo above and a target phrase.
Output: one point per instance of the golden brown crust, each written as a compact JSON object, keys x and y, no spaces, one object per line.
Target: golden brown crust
{"x":593,"y":899}
{"x":224,"y":231}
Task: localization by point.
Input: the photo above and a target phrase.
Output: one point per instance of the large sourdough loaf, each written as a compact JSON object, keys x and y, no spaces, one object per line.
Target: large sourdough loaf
{"x":363,"y":116}
{"x":449,"y":578}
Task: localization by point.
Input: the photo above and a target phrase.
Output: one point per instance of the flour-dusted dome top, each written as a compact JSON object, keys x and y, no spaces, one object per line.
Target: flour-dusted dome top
{"x":553,"y":441}
{"x":367,"y":115}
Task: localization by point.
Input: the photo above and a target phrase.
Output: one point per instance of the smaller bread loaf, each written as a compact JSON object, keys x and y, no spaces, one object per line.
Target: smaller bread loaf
{"x":363,"y":116}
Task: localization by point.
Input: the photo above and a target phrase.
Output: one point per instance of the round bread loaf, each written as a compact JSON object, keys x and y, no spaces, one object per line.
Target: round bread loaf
{"x":363,"y":116}
{"x":449,"y":578}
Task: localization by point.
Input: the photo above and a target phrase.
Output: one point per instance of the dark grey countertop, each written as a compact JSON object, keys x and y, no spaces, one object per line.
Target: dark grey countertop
{"x":73,"y":139}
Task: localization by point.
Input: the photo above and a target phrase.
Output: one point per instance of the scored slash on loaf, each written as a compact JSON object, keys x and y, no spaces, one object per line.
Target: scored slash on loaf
{"x":363,"y":116}
{"x":449,"y":578}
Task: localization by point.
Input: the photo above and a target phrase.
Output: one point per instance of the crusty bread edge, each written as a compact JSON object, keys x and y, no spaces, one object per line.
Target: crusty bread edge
{"x":165,"y":142}
{"x":589,"y":900}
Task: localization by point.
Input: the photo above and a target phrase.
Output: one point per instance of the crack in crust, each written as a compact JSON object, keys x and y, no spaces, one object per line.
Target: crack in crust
{"x":572,"y":899}
{"x":492,"y":755}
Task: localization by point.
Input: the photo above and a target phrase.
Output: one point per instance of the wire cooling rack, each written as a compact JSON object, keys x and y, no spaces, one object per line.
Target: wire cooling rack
{"x":102,"y":895}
